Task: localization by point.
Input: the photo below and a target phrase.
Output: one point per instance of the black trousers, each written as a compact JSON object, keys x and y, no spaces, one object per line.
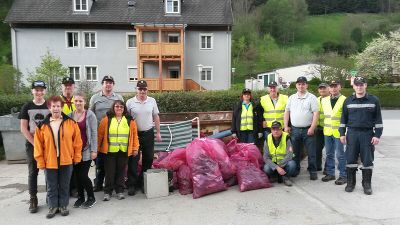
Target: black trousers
{"x":320,"y":143}
{"x":100,"y":171}
{"x":83,"y":181}
{"x":33,"y":171}
{"x":146,"y":141}
{"x":114,"y":165}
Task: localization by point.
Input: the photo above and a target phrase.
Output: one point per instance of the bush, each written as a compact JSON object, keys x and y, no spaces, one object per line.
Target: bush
{"x":7,"y":102}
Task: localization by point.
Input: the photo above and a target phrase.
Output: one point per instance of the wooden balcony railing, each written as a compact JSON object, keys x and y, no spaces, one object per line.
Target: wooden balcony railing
{"x":167,"y":49}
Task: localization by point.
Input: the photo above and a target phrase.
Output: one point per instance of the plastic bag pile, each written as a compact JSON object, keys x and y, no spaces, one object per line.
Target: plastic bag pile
{"x":208,"y":166}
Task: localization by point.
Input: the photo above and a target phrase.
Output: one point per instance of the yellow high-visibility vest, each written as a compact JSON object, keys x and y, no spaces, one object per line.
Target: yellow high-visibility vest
{"x":277,"y":153}
{"x":246,"y":118}
{"x":332,"y":116}
{"x":271,"y":112}
{"x":66,"y":109}
{"x":118,"y":135}
{"x":321,"y":115}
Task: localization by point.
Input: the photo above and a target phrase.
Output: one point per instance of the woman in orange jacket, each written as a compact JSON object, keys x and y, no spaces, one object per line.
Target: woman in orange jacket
{"x":118,"y":139}
{"x":57,"y":145}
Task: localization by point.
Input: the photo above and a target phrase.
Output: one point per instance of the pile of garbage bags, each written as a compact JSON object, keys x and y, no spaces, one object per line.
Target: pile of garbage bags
{"x":208,"y":166}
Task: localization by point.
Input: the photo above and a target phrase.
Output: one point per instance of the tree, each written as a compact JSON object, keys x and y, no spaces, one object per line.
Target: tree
{"x":10,"y":80}
{"x":332,"y":66}
{"x":380,"y":59}
{"x":51,"y":71}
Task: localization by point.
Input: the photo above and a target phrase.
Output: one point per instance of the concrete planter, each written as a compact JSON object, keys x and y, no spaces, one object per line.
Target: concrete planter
{"x":13,"y":140}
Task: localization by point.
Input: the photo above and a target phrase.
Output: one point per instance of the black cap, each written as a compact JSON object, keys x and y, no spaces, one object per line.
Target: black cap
{"x":141,"y":84}
{"x":276,"y":124}
{"x":107,"y":78}
{"x":68,"y":80}
{"x":272,"y":84}
{"x":359,"y":80}
{"x":246,"y":90}
{"x":301,"y":80}
{"x":38,"y":84}
{"x":322,"y":85}
{"x":334,"y":83}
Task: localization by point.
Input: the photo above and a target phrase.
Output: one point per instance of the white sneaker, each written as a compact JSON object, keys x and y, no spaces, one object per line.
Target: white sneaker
{"x":107,"y":197}
{"x":120,"y":196}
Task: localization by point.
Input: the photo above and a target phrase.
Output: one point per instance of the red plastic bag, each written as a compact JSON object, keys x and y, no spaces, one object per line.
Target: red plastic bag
{"x":217,"y":149}
{"x":174,"y":160}
{"x":231,"y":147}
{"x":247,"y":153}
{"x":206,"y":174}
{"x":184,"y":180}
{"x":160,"y":156}
{"x":252,"y":178}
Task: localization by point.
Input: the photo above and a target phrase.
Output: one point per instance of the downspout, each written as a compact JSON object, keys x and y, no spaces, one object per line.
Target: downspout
{"x":14,"y":48}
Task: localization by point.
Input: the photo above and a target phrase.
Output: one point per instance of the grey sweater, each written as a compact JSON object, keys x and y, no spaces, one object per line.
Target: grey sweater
{"x":268,"y":157}
{"x":91,"y":133}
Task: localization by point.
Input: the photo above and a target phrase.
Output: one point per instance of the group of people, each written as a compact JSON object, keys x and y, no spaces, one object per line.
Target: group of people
{"x":348,"y":128}
{"x":63,"y":138}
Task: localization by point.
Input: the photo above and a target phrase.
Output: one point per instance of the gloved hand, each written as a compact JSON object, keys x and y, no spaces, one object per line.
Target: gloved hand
{"x":234,"y":135}
{"x":260,"y":135}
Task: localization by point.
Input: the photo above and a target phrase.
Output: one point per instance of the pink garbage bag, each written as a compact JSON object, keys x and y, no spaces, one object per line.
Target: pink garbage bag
{"x":184,"y":180}
{"x":174,"y":160}
{"x":252,"y":178}
{"x":217,"y":150}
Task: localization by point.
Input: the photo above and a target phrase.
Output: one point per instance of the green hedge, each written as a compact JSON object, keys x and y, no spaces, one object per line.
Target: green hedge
{"x":209,"y":100}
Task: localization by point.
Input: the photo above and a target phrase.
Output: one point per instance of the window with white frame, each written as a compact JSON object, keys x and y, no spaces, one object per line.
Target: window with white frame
{"x":206,"y":41}
{"x":131,"y":40}
{"x":91,"y":73}
{"x":132,"y":73}
{"x":72,"y":39}
{"x":90,"y":39}
{"x":81,"y":5}
{"x":173,"y":38}
{"x":172,"y":6}
{"x":173,"y":72}
{"x":206,"y":74}
{"x":75,"y":72}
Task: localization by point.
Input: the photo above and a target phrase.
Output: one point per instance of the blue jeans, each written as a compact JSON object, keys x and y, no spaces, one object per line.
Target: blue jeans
{"x":246,"y":136}
{"x":58,"y":186}
{"x":299,"y":138}
{"x":334,"y":146}
{"x":290,"y":169}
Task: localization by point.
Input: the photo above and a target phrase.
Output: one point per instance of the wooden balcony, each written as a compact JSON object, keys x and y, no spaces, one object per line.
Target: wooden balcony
{"x":167,"y":84}
{"x":152,"y":50}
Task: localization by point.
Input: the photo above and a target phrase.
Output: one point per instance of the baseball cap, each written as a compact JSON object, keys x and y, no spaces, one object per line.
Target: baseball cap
{"x":359,"y":80}
{"x":246,"y":90}
{"x":301,"y":80}
{"x":38,"y":84}
{"x":322,"y":85}
{"x":272,"y":84}
{"x":334,"y":83}
{"x":276,"y":124}
{"x":68,"y":80}
{"x":107,"y":78}
{"x":141,"y":84}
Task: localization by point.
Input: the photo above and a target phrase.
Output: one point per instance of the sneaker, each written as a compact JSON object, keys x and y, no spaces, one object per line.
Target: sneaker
{"x":328,"y":178}
{"x":287,"y":181}
{"x":107,"y":197}
{"x":79,"y":202}
{"x":341,"y":181}
{"x":33,"y":204}
{"x":52,"y":212}
{"x":89,"y":203}
{"x":132,"y":191}
{"x":313,"y":176}
{"x":120,"y":196}
{"x":64,"y":211}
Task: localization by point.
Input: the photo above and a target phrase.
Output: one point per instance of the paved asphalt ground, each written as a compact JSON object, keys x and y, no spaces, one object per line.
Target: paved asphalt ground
{"x":307,"y":202}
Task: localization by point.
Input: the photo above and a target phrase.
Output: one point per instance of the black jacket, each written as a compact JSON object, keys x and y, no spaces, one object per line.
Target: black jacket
{"x":237,"y":112}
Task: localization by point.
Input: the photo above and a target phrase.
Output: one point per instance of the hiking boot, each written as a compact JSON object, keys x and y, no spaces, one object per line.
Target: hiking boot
{"x":64,"y":211}
{"x":106,"y":197}
{"x":132,"y":191}
{"x":341,"y":181}
{"x":366,"y":181}
{"x":89,"y":203}
{"x":287,"y":181}
{"x":52,"y":212}
{"x":120,"y":196}
{"x":79,"y":202}
{"x":33,"y":204}
{"x":351,"y":179}
{"x":313,"y":176}
{"x":328,"y":178}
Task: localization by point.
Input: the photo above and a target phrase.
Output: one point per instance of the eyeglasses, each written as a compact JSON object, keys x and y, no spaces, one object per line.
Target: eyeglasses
{"x":142,"y":89}
{"x":119,"y":106}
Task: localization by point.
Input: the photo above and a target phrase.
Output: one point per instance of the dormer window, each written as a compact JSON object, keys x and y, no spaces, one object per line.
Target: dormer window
{"x":173,"y":6}
{"x":80,"y":5}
